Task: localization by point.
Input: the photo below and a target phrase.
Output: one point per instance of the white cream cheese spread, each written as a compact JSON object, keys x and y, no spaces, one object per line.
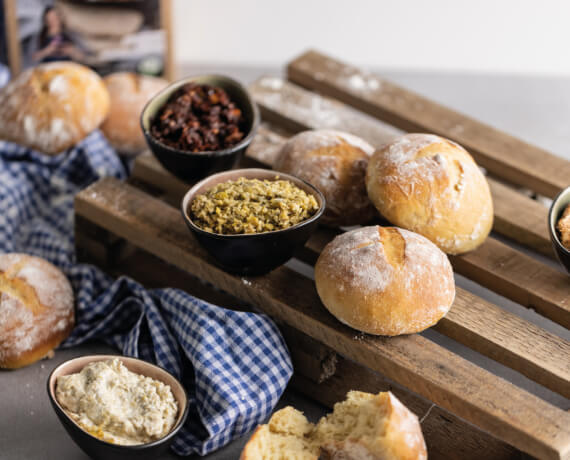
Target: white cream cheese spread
{"x":117,"y":405}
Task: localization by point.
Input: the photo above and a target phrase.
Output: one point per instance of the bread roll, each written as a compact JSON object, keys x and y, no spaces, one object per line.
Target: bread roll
{"x":129,"y":93}
{"x":432,"y":186}
{"x":363,"y":427}
{"x":335,"y":163}
{"x":36,"y":309}
{"x":385,"y":280}
{"x":52,"y":107}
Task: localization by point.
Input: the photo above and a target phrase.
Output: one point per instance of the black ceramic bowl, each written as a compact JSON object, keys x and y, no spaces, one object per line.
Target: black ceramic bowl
{"x":256,"y":253}
{"x":556,"y":209}
{"x":98,"y":449}
{"x":189,"y":166}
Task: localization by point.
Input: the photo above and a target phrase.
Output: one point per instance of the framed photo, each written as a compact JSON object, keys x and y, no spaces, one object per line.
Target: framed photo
{"x":108,"y":36}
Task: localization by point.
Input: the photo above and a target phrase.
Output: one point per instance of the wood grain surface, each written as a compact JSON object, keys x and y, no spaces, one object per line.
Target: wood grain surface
{"x":503,"y":155}
{"x":519,"y":418}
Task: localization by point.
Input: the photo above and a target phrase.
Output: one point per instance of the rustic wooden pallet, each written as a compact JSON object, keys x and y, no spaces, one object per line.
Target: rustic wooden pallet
{"x":118,"y":223}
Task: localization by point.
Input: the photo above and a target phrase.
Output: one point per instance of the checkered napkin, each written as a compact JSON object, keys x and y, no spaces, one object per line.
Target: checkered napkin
{"x":234,"y":365}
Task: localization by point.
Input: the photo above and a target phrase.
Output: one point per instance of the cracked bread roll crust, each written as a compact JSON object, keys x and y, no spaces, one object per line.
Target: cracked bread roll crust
{"x":335,"y":163}
{"x":432,"y":186}
{"x":36,"y":309}
{"x":385,"y":280}
{"x":52,"y":107}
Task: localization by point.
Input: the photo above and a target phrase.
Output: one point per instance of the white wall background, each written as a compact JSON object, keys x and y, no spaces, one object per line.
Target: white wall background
{"x":491,"y":36}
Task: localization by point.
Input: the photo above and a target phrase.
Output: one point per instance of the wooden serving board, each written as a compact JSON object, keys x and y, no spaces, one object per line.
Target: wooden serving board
{"x":467,"y":412}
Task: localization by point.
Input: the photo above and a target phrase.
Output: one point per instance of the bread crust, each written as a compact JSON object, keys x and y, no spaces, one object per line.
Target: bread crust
{"x":129,"y":93}
{"x":432,"y":186}
{"x":385,"y":280}
{"x":335,"y":163}
{"x":36,"y":309}
{"x":52,"y":107}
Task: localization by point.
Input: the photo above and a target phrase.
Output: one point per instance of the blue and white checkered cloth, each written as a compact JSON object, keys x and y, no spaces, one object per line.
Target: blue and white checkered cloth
{"x":234,"y":365}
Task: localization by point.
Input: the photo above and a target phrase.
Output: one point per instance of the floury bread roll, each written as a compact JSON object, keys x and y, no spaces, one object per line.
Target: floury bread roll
{"x":52,"y":107}
{"x":432,"y":186}
{"x":335,"y":163}
{"x":385,"y":280}
{"x":363,"y":427}
{"x":129,"y":94}
{"x":36,"y":309}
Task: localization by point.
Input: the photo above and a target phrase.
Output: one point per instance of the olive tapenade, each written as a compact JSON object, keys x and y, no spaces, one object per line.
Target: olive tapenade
{"x":252,"y":206}
{"x":199,"y":118}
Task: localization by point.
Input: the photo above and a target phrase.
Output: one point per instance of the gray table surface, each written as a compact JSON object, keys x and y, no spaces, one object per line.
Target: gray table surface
{"x":536,"y":109}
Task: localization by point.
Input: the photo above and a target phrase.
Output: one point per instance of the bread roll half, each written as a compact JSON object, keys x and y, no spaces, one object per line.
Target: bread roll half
{"x":432,"y":186}
{"x":385,"y":280}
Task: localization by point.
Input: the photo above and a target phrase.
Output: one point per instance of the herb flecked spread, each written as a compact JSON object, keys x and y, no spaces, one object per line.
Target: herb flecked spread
{"x":116,"y":405}
{"x":252,"y":206}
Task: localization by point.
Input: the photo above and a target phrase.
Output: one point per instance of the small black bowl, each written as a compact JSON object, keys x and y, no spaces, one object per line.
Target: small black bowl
{"x":556,"y":209}
{"x":190,"y":166}
{"x":254,"y":253}
{"x":95,"y":447}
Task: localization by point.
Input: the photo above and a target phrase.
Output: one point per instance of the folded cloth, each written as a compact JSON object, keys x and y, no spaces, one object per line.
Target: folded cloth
{"x":234,"y":365}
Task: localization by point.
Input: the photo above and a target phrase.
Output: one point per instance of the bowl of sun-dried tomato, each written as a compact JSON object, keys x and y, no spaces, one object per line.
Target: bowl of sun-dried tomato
{"x":200,"y":125}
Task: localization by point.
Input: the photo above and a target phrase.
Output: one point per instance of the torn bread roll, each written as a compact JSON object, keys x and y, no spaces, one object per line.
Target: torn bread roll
{"x":129,"y":93}
{"x":363,"y":427}
{"x":52,"y":107}
{"x":385,"y":280}
{"x":335,"y":163}
{"x":432,"y":186}
{"x":36,"y":309}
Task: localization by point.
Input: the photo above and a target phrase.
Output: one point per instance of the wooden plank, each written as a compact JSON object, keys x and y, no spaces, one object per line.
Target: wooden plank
{"x":509,"y":340}
{"x":294,"y":109}
{"x":512,"y":341}
{"x":316,"y":375}
{"x":519,"y":418}
{"x":505,"y":156}
{"x":518,"y":277}
{"x":520,"y":218}
{"x":284,"y":104}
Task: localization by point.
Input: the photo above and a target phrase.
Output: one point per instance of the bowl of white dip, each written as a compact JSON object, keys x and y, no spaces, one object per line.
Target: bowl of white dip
{"x":115,"y":407}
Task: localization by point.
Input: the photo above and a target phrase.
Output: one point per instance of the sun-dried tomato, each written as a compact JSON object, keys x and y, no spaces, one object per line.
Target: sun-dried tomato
{"x":199,"y":118}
